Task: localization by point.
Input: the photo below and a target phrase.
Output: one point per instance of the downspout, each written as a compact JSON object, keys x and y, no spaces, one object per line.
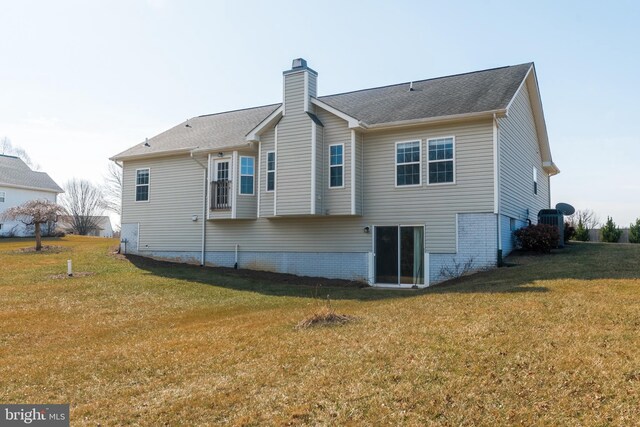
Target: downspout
{"x":204,"y":211}
{"x":496,"y":142}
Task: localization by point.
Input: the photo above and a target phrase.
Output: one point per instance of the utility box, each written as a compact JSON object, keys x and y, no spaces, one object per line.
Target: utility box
{"x":556,"y":218}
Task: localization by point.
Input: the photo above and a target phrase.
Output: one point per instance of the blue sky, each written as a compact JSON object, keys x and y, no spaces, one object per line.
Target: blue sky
{"x":81,"y":81}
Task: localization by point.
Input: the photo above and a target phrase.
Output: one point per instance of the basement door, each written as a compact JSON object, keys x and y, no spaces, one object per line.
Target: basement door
{"x":399,"y":255}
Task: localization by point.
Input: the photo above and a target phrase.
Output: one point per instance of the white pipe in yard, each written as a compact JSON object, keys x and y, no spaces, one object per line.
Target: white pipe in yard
{"x":69,"y":270}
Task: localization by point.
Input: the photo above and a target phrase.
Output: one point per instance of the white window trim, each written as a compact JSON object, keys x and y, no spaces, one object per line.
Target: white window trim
{"x":275,"y":166}
{"x":240,"y":175}
{"x":135,"y":194}
{"x":334,"y":166}
{"x":3,"y":196}
{"x":395,"y":163}
{"x":435,"y":184}
{"x":535,"y":181}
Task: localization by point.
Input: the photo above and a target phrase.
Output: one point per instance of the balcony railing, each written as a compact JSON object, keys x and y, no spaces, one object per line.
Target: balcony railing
{"x":220,"y":195}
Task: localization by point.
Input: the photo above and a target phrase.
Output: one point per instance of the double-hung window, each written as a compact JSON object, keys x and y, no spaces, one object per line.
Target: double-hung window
{"x":142,"y":185}
{"x":336,"y":165}
{"x":271,"y":170}
{"x":3,"y":196}
{"x":535,"y":180}
{"x":246,"y":175}
{"x":408,"y":163}
{"x":441,"y":160}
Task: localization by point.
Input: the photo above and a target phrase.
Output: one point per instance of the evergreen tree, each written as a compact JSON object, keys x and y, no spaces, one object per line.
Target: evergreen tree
{"x":610,"y":232}
{"x":582,"y":233}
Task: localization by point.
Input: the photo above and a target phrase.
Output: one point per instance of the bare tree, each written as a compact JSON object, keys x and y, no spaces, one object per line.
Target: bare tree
{"x":112,"y":188}
{"x":36,"y":213}
{"x":588,"y":218}
{"x":84,"y":203}
{"x":7,"y":148}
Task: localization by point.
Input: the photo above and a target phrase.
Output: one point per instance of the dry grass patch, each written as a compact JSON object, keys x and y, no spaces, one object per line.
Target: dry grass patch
{"x":551,"y":341}
{"x":324,"y":315}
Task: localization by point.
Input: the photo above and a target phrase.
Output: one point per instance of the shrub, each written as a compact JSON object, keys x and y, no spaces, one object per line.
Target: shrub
{"x":582,"y":233}
{"x":610,"y":232}
{"x":569,"y":231}
{"x":538,"y":238}
{"x":634,"y":232}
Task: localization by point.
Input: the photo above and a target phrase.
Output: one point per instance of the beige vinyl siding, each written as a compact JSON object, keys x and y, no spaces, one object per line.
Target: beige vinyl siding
{"x":176,"y":194}
{"x":313,"y":86}
{"x":336,"y":201}
{"x":246,"y":205}
{"x":293,"y":171}
{"x":433,"y":205}
{"x":519,"y":153}
{"x":267,"y":143}
{"x":312,"y":234}
{"x":176,"y":186}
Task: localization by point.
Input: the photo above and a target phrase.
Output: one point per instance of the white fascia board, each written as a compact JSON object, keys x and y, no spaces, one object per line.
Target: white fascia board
{"x":26,"y":187}
{"x":254,"y":134}
{"x":207,"y":150}
{"x":152,"y":155}
{"x":538,"y":116}
{"x":353,"y":123}
{"x":440,"y":119}
{"x":550,"y":168}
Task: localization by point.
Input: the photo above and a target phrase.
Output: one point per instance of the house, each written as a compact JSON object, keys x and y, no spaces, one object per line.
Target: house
{"x":19,"y":184}
{"x":100,"y":225}
{"x":401,"y":185}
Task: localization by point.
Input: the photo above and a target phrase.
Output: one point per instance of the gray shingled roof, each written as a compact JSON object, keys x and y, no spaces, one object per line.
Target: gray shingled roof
{"x":476,"y":92}
{"x":211,"y":131}
{"x":15,"y":173}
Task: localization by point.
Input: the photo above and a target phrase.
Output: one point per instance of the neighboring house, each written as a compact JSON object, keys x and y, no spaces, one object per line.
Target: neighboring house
{"x":102,"y":226}
{"x":399,"y":185}
{"x":19,"y":184}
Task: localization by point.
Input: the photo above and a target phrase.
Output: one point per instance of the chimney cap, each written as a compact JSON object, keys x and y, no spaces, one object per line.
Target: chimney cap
{"x":298,"y":63}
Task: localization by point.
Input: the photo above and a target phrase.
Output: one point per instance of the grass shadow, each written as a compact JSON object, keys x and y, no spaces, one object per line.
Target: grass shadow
{"x":526,"y":271}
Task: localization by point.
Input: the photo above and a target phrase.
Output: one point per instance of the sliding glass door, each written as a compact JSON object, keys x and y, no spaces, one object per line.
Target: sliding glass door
{"x":399,"y":254}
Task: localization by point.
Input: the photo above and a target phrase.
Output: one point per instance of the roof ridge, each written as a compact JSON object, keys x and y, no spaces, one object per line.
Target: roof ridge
{"x":9,"y":156}
{"x":425,"y":80}
{"x":237,"y":110}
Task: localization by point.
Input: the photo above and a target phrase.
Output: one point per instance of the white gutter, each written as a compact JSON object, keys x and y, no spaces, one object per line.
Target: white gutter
{"x":207,"y":150}
{"x":151,"y":155}
{"x":26,"y":187}
{"x":439,"y":119}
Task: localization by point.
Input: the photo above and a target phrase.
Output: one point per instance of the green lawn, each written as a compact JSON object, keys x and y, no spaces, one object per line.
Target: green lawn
{"x":552,"y":340}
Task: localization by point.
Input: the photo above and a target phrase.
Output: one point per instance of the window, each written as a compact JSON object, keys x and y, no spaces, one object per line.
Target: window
{"x":441,"y":167}
{"x":408,"y":163}
{"x":246,"y":175}
{"x":535,"y":180}
{"x":336,"y":165}
{"x":271,"y":170}
{"x":142,"y":185}
{"x":3,"y":195}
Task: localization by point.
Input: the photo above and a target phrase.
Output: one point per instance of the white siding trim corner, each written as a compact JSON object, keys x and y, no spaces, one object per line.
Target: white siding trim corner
{"x":353,"y":172}
{"x":313,"y":157}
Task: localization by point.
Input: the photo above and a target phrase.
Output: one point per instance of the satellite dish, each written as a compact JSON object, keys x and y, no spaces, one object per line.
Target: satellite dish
{"x":565,"y":208}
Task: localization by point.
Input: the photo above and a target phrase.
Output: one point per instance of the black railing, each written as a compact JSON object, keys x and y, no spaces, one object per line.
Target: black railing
{"x":220,"y":195}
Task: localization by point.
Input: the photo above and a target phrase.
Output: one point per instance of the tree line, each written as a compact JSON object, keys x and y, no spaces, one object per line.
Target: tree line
{"x":578,"y":226}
